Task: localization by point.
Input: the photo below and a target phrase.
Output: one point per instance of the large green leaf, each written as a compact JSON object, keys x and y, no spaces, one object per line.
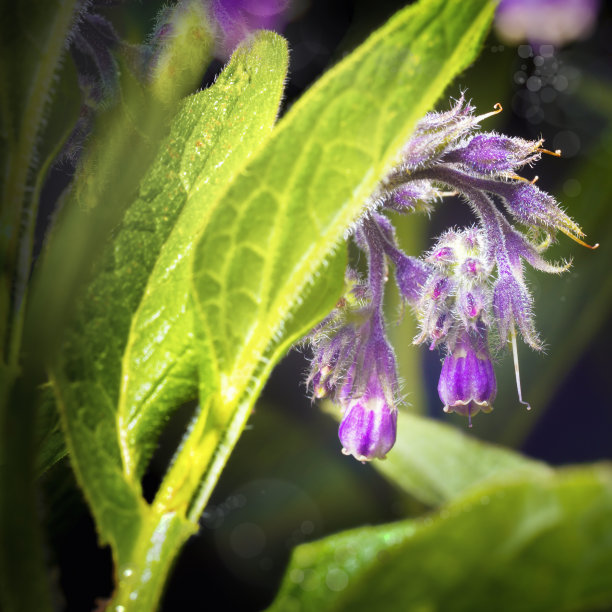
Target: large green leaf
{"x":209,"y":141}
{"x":159,"y":365}
{"x":541,"y":543}
{"x":436,"y":462}
{"x":122,"y":145}
{"x":268,"y":240}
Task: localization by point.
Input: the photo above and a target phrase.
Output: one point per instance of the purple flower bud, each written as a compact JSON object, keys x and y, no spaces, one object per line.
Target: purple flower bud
{"x":467,"y":380}
{"x":441,"y":289}
{"x":441,"y":327}
{"x":494,"y":154}
{"x":443,"y":255}
{"x":436,"y":132}
{"x":471,"y":304}
{"x":416,"y":195}
{"x":411,"y":274}
{"x":472,"y":268}
{"x":531,"y":206}
{"x":369,"y":426}
{"x":472,"y":238}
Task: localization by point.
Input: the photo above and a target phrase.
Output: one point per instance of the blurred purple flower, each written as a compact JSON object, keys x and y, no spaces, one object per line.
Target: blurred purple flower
{"x":555,"y":22}
{"x":238,"y":18}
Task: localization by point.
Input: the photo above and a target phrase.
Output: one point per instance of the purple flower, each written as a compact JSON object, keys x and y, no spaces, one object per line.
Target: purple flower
{"x":368,"y":427}
{"x":555,"y":22}
{"x":467,"y":381}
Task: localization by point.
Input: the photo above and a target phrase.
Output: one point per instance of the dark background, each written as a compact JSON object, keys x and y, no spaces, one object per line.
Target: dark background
{"x":287,"y":481}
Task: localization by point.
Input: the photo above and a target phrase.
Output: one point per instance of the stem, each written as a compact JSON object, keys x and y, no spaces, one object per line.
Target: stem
{"x":141,"y":580}
{"x":377,"y":267}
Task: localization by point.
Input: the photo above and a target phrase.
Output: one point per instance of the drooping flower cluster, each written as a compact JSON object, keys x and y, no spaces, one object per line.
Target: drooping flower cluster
{"x":468,"y":289}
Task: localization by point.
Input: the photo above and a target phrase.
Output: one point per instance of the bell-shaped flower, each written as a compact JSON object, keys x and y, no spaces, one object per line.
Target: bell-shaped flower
{"x":369,"y":425}
{"x":467,"y":380}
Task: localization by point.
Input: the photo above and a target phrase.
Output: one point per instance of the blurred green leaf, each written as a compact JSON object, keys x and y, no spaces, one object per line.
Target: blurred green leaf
{"x":32,"y":44}
{"x":540,"y":543}
{"x":124,"y":141}
{"x":437,"y":463}
{"x":209,"y":141}
{"x":265,"y":248}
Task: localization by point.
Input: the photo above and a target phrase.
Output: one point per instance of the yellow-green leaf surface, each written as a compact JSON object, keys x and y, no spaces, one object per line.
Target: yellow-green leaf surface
{"x":268,"y":240}
{"x":134,"y":297}
{"x":538,"y":544}
{"x":159,"y":365}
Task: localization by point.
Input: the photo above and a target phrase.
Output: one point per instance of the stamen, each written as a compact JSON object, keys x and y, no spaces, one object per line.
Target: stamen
{"x":516,"y":368}
{"x":516,"y":177}
{"x":576,"y":239}
{"x":498,"y":109}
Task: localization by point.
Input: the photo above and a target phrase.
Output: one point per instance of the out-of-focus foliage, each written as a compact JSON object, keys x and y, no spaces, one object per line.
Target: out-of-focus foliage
{"x":538,"y":543}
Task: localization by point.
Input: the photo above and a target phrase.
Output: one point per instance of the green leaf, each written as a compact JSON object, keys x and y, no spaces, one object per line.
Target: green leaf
{"x":139,"y":278}
{"x":541,"y":543}
{"x":218,"y":131}
{"x":436,"y":462}
{"x":268,"y":240}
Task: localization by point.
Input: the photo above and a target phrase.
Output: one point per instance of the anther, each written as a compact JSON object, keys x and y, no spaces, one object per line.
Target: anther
{"x":516,"y":177}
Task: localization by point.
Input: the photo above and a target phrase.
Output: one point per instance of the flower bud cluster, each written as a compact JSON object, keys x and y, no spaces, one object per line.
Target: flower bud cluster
{"x":456,"y":296}
{"x":468,"y":287}
{"x":354,"y":365}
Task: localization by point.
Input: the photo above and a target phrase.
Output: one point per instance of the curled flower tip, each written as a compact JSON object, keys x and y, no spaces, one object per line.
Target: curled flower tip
{"x":368,"y":428}
{"x":497,"y":108}
{"x":467,"y":380}
{"x":575,"y":238}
